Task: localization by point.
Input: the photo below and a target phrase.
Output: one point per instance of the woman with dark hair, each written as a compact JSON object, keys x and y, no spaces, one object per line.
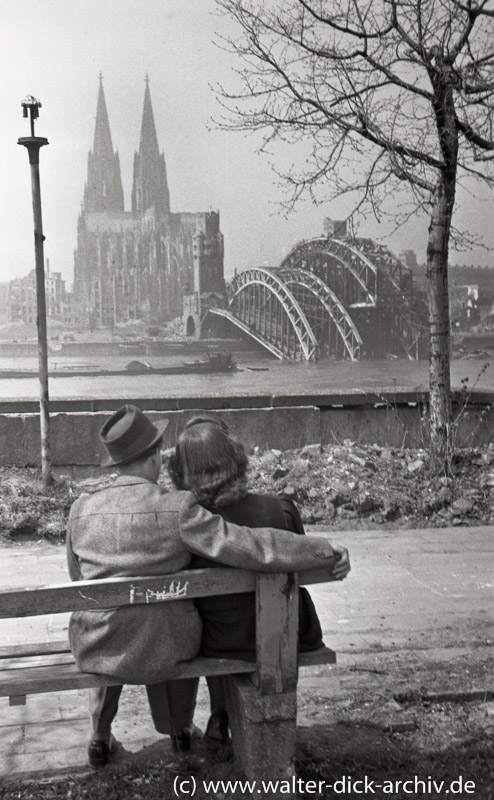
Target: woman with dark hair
{"x":210,"y":463}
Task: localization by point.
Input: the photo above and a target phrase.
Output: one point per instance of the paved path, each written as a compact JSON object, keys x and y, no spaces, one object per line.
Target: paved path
{"x":420,"y":590}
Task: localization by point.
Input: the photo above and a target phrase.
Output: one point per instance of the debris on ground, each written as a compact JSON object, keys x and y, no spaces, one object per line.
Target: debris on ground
{"x":336,"y":486}
{"x":352,"y":485}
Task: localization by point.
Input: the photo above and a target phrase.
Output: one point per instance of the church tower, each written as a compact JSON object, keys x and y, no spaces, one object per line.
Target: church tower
{"x":150,"y":186}
{"x":103,"y":190}
{"x":147,"y":263}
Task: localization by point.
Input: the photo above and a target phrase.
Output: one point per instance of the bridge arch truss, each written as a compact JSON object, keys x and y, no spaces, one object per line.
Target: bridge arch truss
{"x":292,"y":313}
{"x":339,"y":264}
{"x":264,"y":303}
{"x":331,"y":323}
{"x":329,"y":297}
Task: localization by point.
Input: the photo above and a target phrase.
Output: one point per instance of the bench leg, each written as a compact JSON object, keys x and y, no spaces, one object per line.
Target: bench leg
{"x":263,"y":729}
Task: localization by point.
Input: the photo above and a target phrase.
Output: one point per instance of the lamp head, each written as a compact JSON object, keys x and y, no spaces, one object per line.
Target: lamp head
{"x":30,"y":107}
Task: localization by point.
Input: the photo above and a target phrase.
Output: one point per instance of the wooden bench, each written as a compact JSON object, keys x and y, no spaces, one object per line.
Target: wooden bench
{"x":261,"y":695}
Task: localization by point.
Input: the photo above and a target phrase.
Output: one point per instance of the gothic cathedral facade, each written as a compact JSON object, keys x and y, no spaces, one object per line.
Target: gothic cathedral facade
{"x":148,"y":263}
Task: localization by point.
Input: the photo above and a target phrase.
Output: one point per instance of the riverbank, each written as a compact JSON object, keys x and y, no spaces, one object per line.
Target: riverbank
{"x":335,"y":487}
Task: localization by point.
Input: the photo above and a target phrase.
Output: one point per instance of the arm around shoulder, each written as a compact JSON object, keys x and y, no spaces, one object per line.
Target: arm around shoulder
{"x":259,"y":549}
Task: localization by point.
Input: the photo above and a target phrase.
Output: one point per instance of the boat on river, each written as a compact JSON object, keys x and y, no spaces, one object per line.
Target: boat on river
{"x":216,"y":362}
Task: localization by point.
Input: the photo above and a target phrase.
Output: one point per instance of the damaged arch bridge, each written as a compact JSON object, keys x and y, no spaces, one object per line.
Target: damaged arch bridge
{"x":330,"y":297}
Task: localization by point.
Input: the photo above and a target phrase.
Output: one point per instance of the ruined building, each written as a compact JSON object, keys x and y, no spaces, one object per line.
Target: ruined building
{"x":147,"y":263}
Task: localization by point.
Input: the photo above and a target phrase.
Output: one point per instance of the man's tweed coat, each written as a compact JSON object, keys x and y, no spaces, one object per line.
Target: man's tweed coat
{"x":133,"y":528}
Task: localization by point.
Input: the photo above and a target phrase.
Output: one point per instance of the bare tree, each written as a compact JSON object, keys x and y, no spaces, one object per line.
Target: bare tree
{"x":389,"y":97}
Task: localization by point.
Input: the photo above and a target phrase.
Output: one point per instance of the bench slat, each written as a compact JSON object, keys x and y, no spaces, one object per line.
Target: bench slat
{"x":109,"y":592}
{"x":25,"y":662}
{"x":62,"y":655}
{"x":60,"y":677}
{"x":58,"y":672}
{"x":35,"y":649}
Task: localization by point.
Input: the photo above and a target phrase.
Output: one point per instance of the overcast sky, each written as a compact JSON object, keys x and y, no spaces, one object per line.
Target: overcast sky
{"x":55,"y":49}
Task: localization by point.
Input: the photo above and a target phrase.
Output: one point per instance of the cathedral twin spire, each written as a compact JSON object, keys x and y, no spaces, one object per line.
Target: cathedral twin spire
{"x":103,"y":191}
{"x":150,"y":186}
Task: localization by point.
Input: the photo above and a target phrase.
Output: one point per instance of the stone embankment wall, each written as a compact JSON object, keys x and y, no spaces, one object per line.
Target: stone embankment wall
{"x":267,"y":422}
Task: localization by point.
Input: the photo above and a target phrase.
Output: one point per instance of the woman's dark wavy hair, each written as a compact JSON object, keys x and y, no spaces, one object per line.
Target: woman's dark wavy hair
{"x":209,"y":463}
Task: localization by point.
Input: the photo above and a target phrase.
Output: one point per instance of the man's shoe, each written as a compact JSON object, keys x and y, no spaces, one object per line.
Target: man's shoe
{"x":217,"y":737}
{"x":99,"y":753}
{"x":217,"y":734}
{"x":183,"y":740}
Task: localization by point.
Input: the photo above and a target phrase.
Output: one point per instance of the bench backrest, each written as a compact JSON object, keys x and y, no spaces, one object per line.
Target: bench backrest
{"x":276,"y":601}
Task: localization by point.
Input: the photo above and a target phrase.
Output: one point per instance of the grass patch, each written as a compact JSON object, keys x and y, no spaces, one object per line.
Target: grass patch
{"x":353,"y":752}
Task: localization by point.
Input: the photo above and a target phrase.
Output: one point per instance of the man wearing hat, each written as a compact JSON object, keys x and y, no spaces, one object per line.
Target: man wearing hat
{"x":135,"y":527}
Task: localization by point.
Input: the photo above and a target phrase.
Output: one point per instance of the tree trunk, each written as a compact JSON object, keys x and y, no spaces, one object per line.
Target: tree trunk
{"x":439,"y":325}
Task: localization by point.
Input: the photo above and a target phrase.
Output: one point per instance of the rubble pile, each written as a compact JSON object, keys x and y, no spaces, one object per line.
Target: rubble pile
{"x":27,"y":511}
{"x":345,"y":485}
{"x":339,"y":486}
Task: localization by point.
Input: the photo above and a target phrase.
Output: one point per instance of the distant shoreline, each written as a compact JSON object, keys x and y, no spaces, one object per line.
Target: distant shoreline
{"x":464,"y":342}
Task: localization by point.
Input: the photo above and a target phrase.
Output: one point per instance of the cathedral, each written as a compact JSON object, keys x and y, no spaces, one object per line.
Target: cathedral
{"x":148,"y":263}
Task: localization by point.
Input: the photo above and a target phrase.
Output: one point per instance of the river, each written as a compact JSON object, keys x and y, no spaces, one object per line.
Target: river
{"x":257,"y":375}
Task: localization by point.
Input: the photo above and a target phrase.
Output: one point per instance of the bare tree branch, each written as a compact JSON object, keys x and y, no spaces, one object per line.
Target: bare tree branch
{"x":330,"y":21}
{"x":473,"y":136}
{"x":386,"y":99}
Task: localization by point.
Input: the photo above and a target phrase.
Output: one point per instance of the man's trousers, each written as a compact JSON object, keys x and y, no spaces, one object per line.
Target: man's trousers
{"x":172,"y":705}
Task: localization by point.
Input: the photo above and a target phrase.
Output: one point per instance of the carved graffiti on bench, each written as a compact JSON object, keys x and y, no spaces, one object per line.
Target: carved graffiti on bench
{"x":175,"y":590}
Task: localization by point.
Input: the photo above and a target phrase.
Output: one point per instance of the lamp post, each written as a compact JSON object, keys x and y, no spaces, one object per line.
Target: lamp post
{"x":33,"y":144}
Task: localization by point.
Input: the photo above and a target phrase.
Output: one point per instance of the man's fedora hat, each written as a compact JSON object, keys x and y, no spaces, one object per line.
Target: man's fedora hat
{"x":129,"y":434}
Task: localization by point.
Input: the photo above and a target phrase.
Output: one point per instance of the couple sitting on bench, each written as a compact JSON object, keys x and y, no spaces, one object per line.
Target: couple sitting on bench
{"x":135,"y":527}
